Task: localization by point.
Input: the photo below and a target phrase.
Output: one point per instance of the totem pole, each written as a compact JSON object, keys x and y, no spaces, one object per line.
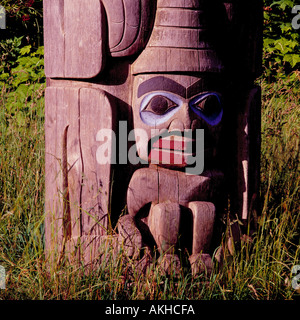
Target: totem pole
{"x":150,"y":106}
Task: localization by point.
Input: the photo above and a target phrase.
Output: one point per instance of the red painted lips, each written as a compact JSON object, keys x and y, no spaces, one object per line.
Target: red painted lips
{"x":172,"y":150}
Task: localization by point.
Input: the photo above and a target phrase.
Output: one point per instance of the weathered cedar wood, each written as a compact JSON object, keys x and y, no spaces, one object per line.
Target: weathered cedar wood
{"x":71,"y":140}
{"x":90,"y":88}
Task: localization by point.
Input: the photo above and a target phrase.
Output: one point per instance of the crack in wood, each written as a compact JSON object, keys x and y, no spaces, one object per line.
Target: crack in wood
{"x":82,"y":167}
{"x":67,"y":232}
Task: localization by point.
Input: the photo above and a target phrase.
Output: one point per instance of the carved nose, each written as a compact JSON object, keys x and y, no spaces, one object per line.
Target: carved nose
{"x":182,"y":121}
{"x":176,"y":125}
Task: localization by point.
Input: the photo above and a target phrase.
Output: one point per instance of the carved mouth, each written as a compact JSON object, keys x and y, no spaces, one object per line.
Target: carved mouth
{"x":172,"y":150}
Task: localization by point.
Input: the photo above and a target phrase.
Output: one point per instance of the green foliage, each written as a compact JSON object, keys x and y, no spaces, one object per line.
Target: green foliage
{"x":23,"y":81}
{"x":260,"y":269}
{"x":10,"y":50}
{"x":281,"y":41}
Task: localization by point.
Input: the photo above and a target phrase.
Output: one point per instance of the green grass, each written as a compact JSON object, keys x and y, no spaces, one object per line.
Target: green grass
{"x":258,"y":270}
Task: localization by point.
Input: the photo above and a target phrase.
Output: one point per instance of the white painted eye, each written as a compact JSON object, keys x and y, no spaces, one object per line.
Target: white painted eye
{"x":158,"y":107}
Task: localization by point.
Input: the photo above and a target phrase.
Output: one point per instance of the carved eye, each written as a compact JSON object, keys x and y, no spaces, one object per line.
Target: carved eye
{"x":209,"y":106}
{"x":160,"y":105}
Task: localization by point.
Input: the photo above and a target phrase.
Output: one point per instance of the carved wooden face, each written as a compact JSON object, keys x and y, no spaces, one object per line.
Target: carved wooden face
{"x":174,"y":105}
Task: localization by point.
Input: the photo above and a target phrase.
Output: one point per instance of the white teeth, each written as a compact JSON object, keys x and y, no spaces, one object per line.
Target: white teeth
{"x":178,"y":138}
{"x":174,"y":143}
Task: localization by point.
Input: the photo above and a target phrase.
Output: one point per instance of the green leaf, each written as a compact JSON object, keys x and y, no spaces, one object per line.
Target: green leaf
{"x":34,"y":61}
{"x":295,"y":60}
{"x":23,"y":61}
{"x":22,"y":91}
{"x":17,"y":41}
{"x":292,"y":59}
{"x":266,"y":16}
{"x":39,"y":51}
{"x":20,"y":77}
{"x":284,"y":46}
{"x":4,"y":76}
{"x":268,"y":42}
{"x":285,"y":27}
{"x":283,"y":4}
{"x":25,"y":50}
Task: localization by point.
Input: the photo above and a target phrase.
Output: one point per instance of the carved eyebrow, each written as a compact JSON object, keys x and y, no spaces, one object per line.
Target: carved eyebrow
{"x":161,"y":83}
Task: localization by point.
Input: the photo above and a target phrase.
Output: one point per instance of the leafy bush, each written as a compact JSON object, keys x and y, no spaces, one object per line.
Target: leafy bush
{"x":23,"y":29}
{"x":10,"y":51}
{"x":23,"y":84}
{"x":281,"y":41}
{"x":259,"y":270}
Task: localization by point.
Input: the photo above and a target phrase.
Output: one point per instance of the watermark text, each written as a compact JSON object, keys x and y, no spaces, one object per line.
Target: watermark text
{"x":2,"y":17}
{"x":185,"y":149}
{"x":296,"y":278}
{"x":296,"y":19}
{"x":2,"y":278}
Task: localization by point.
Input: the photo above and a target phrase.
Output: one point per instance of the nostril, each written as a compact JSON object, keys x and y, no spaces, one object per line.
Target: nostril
{"x":176,"y":125}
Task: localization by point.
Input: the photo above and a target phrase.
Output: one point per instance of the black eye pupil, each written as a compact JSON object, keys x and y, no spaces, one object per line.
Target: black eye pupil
{"x":209,"y":105}
{"x":159,"y":105}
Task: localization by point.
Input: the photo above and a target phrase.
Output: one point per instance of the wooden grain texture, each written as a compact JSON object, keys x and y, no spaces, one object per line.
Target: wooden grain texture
{"x":181,"y":40}
{"x":67,"y":115}
{"x":179,"y":3}
{"x":95,"y":114}
{"x":164,"y":222}
{"x":175,"y":60}
{"x":52,"y":202}
{"x":203,"y":225}
{"x":74,"y":38}
{"x":178,"y":38}
{"x":80,"y":34}
{"x":115,"y":12}
{"x":84,"y":38}
{"x":167,"y":216}
{"x":132,"y":12}
{"x":159,"y":185}
{"x":129,"y":25}
{"x":64,"y":102}
{"x":73,"y":118}
{"x":221,"y":38}
{"x":196,"y":38}
{"x":129,"y":236}
{"x":54,"y":42}
{"x":184,"y":18}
